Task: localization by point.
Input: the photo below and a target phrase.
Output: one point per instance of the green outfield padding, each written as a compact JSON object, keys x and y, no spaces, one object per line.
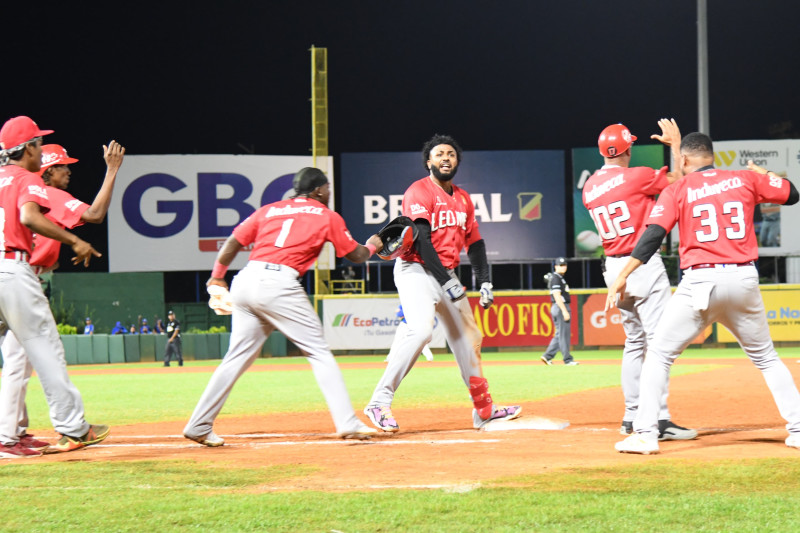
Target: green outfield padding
{"x":85,"y":349}
{"x":161,"y":347}
{"x":70,"y":343}
{"x":224,"y":342}
{"x":116,"y":349}
{"x":188,"y":345}
{"x":100,"y":348}
{"x":147,"y":347}
{"x":131,"y":343}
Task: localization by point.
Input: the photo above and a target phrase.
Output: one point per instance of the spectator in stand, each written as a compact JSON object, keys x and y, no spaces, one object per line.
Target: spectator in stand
{"x":119,"y":329}
{"x":145,"y":329}
{"x":88,"y":329}
{"x":159,"y":328}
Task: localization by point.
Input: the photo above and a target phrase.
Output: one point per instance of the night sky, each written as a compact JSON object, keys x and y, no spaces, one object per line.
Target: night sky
{"x":234,"y":77}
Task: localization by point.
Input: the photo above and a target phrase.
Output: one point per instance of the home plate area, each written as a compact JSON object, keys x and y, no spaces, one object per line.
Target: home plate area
{"x":526,"y":422}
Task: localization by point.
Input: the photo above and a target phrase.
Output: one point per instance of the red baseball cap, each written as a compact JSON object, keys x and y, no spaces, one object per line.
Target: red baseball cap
{"x":55,"y":154}
{"x":19,"y":130}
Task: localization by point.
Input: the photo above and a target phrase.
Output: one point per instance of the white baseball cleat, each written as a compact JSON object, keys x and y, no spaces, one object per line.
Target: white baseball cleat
{"x":363,"y":432}
{"x":211,"y":440}
{"x":637,"y":443}
{"x":793,"y":440}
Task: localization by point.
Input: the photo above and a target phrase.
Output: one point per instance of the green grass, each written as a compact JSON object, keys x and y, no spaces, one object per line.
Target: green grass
{"x":747,"y":495}
{"x":180,"y":495}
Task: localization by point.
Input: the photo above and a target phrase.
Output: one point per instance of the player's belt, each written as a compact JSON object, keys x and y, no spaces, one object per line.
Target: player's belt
{"x":722,"y":265}
{"x":16,"y":255}
{"x":617,"y":256}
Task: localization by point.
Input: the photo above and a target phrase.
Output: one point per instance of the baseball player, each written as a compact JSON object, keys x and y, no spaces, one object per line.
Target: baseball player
{"x":619,"y":198}
{"x":714,"y":212}
{"x":445,"y":217}
{"x":559,"y":310}
{"x":66,"y":212}
{"x":287,"y":237}
{"x":23,"y":307}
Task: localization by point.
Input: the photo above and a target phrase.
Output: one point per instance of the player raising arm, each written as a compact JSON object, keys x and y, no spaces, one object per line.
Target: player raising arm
{"x":287,"y":237}
{"x":714,"y":212}
{"x":619,"y":199}
{"x":23,"y":306}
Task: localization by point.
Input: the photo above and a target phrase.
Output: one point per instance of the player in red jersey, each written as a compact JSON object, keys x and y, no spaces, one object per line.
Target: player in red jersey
{"x":445,"y":216}
{"x":65,"y":212}
{"x":714,"y":211}
{"x":287,"y":237}
{"x":23,"y":306}
{"x":619,"y":199}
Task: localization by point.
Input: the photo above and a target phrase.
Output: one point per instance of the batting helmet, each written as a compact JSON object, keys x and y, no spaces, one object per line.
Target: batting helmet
{"x":614,"y":140}
{"x":55,"y":154}
{"x":398,"y":237}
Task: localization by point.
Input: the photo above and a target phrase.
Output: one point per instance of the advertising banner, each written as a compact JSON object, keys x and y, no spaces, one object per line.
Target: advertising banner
{"x":173,"y":212}
{"x":772,"y":223}
{"x":519,"y":321}
{"x":783,"y":316}
{"x":585,"y":161}
{"x":366,"y":324}
{"x":605,"y":329}
{"x":518,"y":197}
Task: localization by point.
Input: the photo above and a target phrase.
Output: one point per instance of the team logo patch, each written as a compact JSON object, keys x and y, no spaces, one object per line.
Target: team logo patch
{"x":530,"y":205}
{"x":37,"y":191}
{"x":657,"y":211}
{"x":72,"y":205}
{"x":416,"y":209}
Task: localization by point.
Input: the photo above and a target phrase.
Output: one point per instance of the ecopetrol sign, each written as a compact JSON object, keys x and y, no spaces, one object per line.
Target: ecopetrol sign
{"x":518,"y":197}
{"x":173,"y":212}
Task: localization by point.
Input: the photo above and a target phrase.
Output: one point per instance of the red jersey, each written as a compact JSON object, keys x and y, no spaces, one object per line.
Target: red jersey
{"x":292,"y":233}
{"x":619,"y":200}
{"x":18,"y":187}
{"x":452,"y":219}
{"x":65,"y":212}
{"x":714,"y":212}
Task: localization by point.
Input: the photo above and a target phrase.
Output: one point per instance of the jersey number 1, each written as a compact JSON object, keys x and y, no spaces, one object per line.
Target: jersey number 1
{"x":281,"y":240}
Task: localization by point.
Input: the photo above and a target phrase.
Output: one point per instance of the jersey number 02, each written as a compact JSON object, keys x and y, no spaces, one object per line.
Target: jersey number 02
{"x":609,"y":220}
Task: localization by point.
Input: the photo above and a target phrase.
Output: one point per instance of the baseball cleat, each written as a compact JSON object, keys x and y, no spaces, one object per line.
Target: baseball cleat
{"x":572,"y":363}
{"x":363,"y":432}
{"x":626,"y":428}
{"x":96,"y":434}
{"x":498,"y":413}
{"x":37,"y":445}
{"x":212,"y":440}
{"x":381,"y":416}
{"x":17,"y":451}
{"x":793,"y":440}
{"x":546,"y":361}
{"x":667,"y":430}
{"x":637,"y":443}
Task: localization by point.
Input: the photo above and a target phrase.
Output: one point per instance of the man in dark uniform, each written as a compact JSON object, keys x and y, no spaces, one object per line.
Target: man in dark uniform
{"x":174,"y":340}
{"x":559,"y":309}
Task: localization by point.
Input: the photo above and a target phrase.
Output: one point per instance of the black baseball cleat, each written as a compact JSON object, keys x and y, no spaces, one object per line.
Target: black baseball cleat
{"x":667,"y":430}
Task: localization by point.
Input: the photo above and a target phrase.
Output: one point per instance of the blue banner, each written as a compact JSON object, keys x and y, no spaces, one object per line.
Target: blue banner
{"x":519,"y":197}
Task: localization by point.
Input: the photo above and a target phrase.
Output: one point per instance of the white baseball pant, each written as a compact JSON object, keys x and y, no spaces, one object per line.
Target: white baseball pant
{"x":265,"y":300}
{"x":727,"y":294}
{"x":647,"y":292}
{"x":25,"y":311}
{"x":422,"y":298}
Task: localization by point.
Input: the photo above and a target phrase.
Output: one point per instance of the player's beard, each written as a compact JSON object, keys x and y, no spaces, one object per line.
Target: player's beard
{"x":443,"y":177}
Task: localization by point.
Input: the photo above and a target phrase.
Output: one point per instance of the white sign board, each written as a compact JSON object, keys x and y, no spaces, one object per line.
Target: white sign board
{"x":366,"y":323}
{"x":173,"y":212}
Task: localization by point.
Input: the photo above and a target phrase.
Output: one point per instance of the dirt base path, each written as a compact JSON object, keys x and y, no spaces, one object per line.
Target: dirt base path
{"x":731,"y":407}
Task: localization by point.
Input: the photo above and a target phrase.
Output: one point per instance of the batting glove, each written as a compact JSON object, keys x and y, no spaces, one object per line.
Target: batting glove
{"x":454,"y":289}
{"x":487,"y":297}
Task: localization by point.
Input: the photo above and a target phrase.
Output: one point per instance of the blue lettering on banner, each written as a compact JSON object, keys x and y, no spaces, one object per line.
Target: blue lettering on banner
{"x":209,"y":205}
{"x":131,"y":208}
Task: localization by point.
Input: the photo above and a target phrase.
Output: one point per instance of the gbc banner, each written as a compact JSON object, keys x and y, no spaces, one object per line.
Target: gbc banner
{"x":518,"y":197}
{"x":366,"y":324}
{"x":173,"y":212}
